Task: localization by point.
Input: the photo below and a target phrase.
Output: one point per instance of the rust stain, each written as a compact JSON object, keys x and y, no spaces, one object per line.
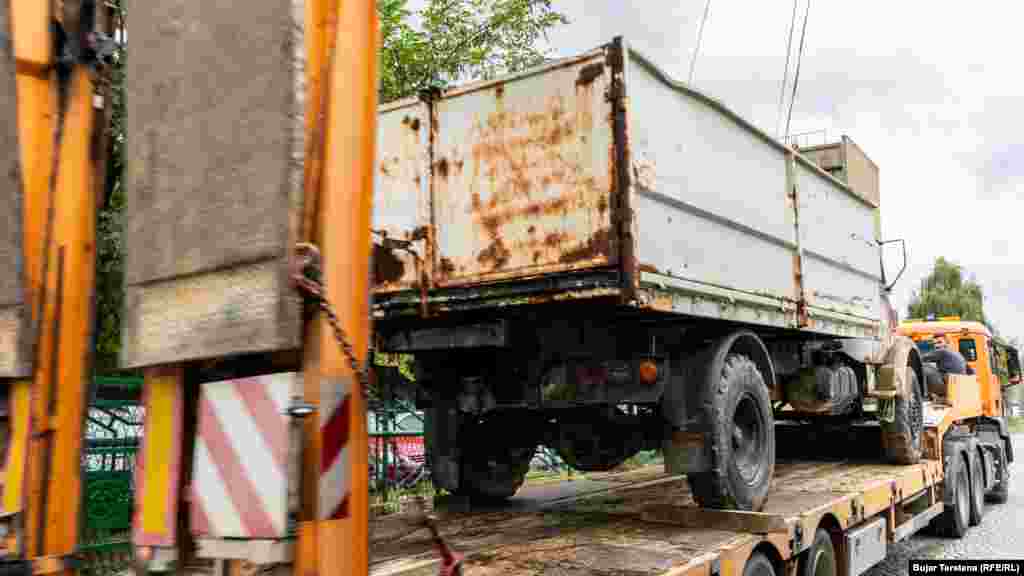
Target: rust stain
{"x":532,"y":229}
{"x":459,"y":164}
{"x":589,"y":73}
{"x":536,"y":257}
{"x":494,"y":220}
{"x":496,"y":255}
{"x":442,"y":168}
{"x":555,"y":239}
{"x":499,"y":91}
{"x":387,"y":268}
{"x":415,"y":125}
{"x":447,"y":266}
{"x":476,"y":201}
{"x":648,"y":268}
{"x":598,"y":245}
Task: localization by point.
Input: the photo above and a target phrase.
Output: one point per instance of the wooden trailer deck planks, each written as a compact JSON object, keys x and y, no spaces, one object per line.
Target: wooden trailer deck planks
{"x":654,"y":528}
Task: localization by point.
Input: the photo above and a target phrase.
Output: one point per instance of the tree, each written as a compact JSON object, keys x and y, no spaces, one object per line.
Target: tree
{"x":447,"y":41}
{"x":458,"y":40}
{"x":946,"y":292}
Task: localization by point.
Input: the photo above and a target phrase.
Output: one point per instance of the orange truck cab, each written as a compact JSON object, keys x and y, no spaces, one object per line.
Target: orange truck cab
{"x":996,"y":365}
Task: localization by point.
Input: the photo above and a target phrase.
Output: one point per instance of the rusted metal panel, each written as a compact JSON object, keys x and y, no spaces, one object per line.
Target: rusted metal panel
{"x":603,"y":160}
{"x":214,"y":179}
{"x":401,"y":209}
{"x":523,"y":176}
{"x":13,"y":316}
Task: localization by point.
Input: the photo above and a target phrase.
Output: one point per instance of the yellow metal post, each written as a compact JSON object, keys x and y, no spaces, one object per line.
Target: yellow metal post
{"x":59,"y":214}
{"x":334,"y":540}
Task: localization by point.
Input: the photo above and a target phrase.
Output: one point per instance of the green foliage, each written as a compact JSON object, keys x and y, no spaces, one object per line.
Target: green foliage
{"x":946,"y":292}
{"x":109,"y":229}
{"x":456,"y":40}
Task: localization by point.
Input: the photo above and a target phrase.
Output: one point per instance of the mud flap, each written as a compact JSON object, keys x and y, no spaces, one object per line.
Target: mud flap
{"x":440,"y":431}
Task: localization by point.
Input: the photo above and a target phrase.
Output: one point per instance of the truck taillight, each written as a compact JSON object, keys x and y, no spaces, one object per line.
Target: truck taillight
{"x":648,"y":372}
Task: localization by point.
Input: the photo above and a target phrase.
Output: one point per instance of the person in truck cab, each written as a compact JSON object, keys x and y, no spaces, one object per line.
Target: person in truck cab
{"x":940,"y":361}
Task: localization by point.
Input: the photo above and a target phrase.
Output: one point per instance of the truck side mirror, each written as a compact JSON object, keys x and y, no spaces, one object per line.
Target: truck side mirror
{"x":1012,"y":367}
{"x":903,"y":268}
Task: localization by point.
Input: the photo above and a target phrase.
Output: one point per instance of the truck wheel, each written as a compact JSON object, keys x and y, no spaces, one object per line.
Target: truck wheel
{"x":820,"y":560}
{"x":901,"y":438}
{"x":956,"y":518}
{"x":758,"y":565}
{"x":493,"y":469}
{"x":742,"y":439}
{"x":977,"y":487}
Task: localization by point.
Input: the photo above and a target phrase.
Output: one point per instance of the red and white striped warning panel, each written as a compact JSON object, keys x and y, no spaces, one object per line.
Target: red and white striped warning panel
{"x":240,"y":473}
{"x":335,"y":469}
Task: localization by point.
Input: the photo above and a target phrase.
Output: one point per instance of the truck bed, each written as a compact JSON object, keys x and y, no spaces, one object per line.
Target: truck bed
{"x":598,"y":175}
{"x":656,"y":529}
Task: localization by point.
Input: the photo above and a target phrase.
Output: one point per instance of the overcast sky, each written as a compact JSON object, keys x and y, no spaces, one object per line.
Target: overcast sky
{"x":934,"y":96}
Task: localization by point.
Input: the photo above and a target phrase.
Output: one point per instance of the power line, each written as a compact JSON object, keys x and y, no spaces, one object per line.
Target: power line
{"x":785,"y":71}
{"x":799,"y":60}
{"x":700,"y":36}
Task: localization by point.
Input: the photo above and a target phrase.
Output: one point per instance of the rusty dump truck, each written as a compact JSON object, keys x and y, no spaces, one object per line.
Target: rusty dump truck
{"x":593,"y":257}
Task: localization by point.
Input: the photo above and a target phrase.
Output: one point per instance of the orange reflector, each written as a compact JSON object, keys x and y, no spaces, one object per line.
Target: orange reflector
{"x":648,"y":372}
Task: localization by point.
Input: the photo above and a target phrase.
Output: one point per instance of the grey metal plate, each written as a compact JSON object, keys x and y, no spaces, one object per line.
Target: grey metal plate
{"x":214,"y":178}
{"x":12,"y":317}
{"x":866,"y":546}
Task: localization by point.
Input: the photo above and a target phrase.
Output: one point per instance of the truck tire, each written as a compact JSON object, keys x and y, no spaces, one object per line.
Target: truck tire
{"x":492,"y":470}
{"x":758,"y":565}
{"x":820,"y":559}
{"x":977,"y":485}
{"x":956,"y":517}
{"x":741,"y":438}
{"x":902,"y":438}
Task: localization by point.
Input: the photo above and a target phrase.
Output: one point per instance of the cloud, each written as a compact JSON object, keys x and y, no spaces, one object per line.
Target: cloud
{"x":932,"y":96}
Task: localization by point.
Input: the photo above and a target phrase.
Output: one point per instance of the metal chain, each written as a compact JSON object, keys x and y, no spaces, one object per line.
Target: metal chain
{"x":306,"y":273}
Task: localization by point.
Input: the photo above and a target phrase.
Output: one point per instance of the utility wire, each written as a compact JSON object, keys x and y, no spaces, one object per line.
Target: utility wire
{"x":799,"y":60}
{"x":700,"y":36}
{"x":785,"y":72}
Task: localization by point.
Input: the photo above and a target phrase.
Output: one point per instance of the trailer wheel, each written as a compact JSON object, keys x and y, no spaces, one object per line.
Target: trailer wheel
{"x":493,"y":469}
{"x":956,"y":517}
{"x":820,"y":559}
{"x":977,"y":486}
{"x":738,"y":412}
{"x":901,"y":438}
{"x":758,"y":565}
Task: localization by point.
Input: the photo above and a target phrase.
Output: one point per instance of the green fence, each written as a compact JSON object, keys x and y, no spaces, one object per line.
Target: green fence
{"x":113,"y":435}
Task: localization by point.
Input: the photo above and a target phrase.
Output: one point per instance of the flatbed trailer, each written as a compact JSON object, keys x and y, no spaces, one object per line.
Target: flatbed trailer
{"x":654,"y":527}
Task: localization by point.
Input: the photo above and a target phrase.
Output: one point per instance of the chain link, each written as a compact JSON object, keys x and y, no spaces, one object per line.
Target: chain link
{"x":306,"y":275}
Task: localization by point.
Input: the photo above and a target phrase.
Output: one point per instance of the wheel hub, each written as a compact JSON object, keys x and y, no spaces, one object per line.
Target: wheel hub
{"x":748,"y":439}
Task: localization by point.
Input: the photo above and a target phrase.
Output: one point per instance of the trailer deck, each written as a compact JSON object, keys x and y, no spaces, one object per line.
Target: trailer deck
{"x":656,"y":529}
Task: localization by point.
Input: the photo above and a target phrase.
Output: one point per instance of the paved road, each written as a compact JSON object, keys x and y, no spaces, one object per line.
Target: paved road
{"x":999,"y":536}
